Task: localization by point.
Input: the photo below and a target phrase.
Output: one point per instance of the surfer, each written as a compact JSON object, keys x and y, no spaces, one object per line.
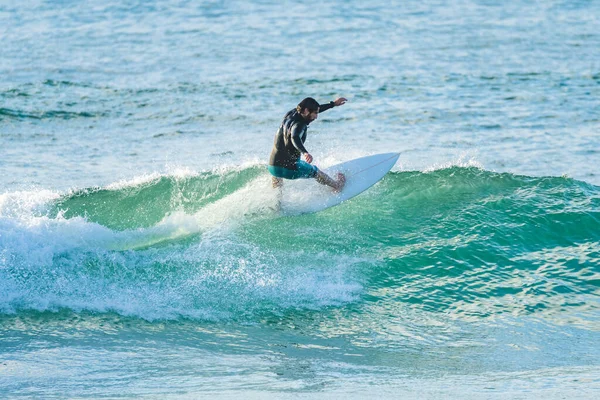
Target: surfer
{"x":285,"y":161}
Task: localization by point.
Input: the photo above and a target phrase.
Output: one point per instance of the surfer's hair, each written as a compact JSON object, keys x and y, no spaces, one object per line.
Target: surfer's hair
{"x":309,"y":103}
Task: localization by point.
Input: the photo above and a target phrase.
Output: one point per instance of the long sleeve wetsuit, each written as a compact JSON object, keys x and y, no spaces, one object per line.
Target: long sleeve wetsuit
{"x":289,"y":140}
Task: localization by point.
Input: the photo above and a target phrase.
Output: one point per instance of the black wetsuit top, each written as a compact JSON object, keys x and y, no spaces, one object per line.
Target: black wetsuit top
{"x":290,"y":138}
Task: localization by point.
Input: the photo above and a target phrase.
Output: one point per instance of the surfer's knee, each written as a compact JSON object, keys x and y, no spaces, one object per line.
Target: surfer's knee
{"x":277,"y":182}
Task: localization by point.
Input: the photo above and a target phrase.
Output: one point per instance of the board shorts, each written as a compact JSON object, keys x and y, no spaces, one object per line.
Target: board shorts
{"x":304,"y":171}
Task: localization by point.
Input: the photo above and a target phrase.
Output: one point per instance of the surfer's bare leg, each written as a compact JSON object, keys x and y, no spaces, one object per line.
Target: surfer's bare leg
{"x":325,"y":179}
{"x":278,"y":185}
{"x":277,"y":182}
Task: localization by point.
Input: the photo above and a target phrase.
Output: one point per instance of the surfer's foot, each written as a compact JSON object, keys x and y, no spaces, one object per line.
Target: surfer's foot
{"x":340,"y":183}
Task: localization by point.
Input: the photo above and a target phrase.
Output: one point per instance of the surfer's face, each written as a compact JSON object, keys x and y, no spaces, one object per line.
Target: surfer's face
{"x":309,"y":116}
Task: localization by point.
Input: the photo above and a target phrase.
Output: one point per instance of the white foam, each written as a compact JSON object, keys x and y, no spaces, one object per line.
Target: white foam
{"x":225,"y":168}
{"x":465,"y":160}
{"x":135,"y":181}
{"x":23,"y":204}
{"x":37,"y":239}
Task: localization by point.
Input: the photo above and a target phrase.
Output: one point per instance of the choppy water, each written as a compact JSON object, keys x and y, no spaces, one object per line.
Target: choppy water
{"x":140,"y":253}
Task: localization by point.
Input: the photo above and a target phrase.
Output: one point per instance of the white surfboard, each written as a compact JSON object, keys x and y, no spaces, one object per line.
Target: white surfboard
{"x":361,"y":174}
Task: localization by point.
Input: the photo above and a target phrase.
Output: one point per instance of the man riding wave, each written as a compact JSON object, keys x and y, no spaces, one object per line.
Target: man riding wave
{"x":285,"y":161}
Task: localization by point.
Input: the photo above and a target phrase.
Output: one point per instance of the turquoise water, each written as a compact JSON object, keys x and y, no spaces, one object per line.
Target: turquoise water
{"x":141,"y":253}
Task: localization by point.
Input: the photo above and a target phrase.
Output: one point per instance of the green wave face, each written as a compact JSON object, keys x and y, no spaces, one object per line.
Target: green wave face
{"x":459,"y":242}
{"x":144,"y":205}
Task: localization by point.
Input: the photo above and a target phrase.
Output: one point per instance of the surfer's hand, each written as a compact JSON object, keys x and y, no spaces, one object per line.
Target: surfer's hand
{"x":340,"y":101}
{"x":308,"y":157}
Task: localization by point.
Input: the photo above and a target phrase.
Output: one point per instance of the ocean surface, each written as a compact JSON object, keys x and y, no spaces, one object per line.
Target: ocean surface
{"x":142,"y":254}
